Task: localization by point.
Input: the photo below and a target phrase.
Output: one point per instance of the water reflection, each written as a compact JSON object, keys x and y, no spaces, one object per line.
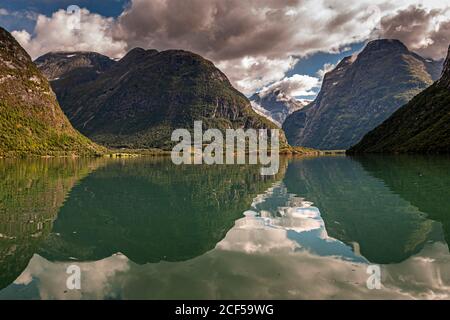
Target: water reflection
{"x":362,"y":211}
{"x":152,"y":211}
{"x":298,"y":220}
{"x":145,"y":230}
{"x":423,"y":181}
{"x":31,"y":193}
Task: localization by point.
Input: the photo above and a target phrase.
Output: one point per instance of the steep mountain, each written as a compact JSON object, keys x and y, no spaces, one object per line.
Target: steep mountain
{"x":31,"y":121}
{"x":361,"y":93}
{"x":276,"y":105}
{"x":421,"y":126}
{"x":138,"y":101}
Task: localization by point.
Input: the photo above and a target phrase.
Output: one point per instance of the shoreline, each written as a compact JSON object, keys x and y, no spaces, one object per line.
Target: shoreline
{"x":129,"y":153}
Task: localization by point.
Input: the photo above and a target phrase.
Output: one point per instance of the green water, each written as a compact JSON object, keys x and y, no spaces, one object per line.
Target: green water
{"x":147,"y":229}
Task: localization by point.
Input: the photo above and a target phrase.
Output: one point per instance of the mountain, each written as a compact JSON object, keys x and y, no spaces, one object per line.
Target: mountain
{"x":421,"y":126}
{"x":55,"y":65}
{"x":359,"y":94}
{"x":138,"y":101}
{"x":276,"y":105}
{"x":31,"y":120}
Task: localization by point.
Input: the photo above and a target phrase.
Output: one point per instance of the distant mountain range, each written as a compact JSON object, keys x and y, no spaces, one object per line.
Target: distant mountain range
{"x":276,"y":105}
{"x":359,"y":94}
{"x":31,"y":120}
{"x":138,"y":101}
{"x":421,"y":126}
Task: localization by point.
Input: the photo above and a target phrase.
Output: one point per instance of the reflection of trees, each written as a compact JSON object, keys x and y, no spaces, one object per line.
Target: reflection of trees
{"x":424,"y":181}
{"x":31,"y":193}
{"x":359,"y":208}
{"x":152,"y":211}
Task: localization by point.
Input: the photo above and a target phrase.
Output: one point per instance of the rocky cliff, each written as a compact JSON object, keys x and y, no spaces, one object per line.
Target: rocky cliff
{"x":361,"y":93}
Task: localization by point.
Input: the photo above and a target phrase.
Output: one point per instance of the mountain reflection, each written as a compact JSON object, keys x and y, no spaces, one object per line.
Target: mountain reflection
{"x":279,"y":249}
{"x":152,"y":211}
{"x":361,"y":210}
{"x":424,"y":181}
{"x":31,"y":193}
{"x":146,"y":229}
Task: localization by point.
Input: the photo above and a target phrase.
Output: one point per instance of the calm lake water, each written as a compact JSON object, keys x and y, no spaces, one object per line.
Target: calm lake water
{"x":146,"y":229}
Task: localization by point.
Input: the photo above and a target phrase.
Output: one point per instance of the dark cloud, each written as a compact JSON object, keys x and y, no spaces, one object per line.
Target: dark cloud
{"x":224,"y":29}
{"x":422,"y":30}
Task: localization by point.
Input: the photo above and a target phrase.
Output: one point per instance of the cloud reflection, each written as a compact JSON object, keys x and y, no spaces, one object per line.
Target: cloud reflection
{"x":280,"y":249}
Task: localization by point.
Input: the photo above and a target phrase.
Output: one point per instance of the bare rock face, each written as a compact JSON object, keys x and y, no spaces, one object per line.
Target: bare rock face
{"x":138,"y":101}
{"x":361,"y":93}
{"x":31,"y":120}
{"x":421,"y":126}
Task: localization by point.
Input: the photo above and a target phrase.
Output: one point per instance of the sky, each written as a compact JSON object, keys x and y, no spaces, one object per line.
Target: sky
{"x":259,"y":44}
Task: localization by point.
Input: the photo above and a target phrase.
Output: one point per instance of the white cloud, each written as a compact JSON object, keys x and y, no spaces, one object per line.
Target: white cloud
{"x":56,"y":33}
{"x":252,"y":73}
{"x":22,"y":14}
{"x":327,"y":67}
{"x":297,"y":85}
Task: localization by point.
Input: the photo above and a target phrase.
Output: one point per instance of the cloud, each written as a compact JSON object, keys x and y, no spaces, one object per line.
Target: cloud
{"x":295,"y":86}
{"x":254,"y":42}
{"x":23,"y":14}
{"x":327,"y":67}
{"x":58,"y":33}
{"x":252,"y":73}
{"x":424,"y":31}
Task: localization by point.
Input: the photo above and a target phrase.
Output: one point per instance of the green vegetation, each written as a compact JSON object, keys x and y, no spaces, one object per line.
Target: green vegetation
{"x":140,"y":100}
{"x":31,"y":121}
{"x":421,"y":126}
{"x":22,"y":135}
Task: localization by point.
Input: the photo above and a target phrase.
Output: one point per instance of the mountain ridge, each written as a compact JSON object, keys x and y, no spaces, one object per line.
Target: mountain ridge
{"x":359,"y":94}
{"x":139,"y":100}
{"x":420,"y":126}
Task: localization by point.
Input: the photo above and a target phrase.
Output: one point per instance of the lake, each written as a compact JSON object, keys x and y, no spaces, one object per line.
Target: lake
{"x":146,"y":229}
